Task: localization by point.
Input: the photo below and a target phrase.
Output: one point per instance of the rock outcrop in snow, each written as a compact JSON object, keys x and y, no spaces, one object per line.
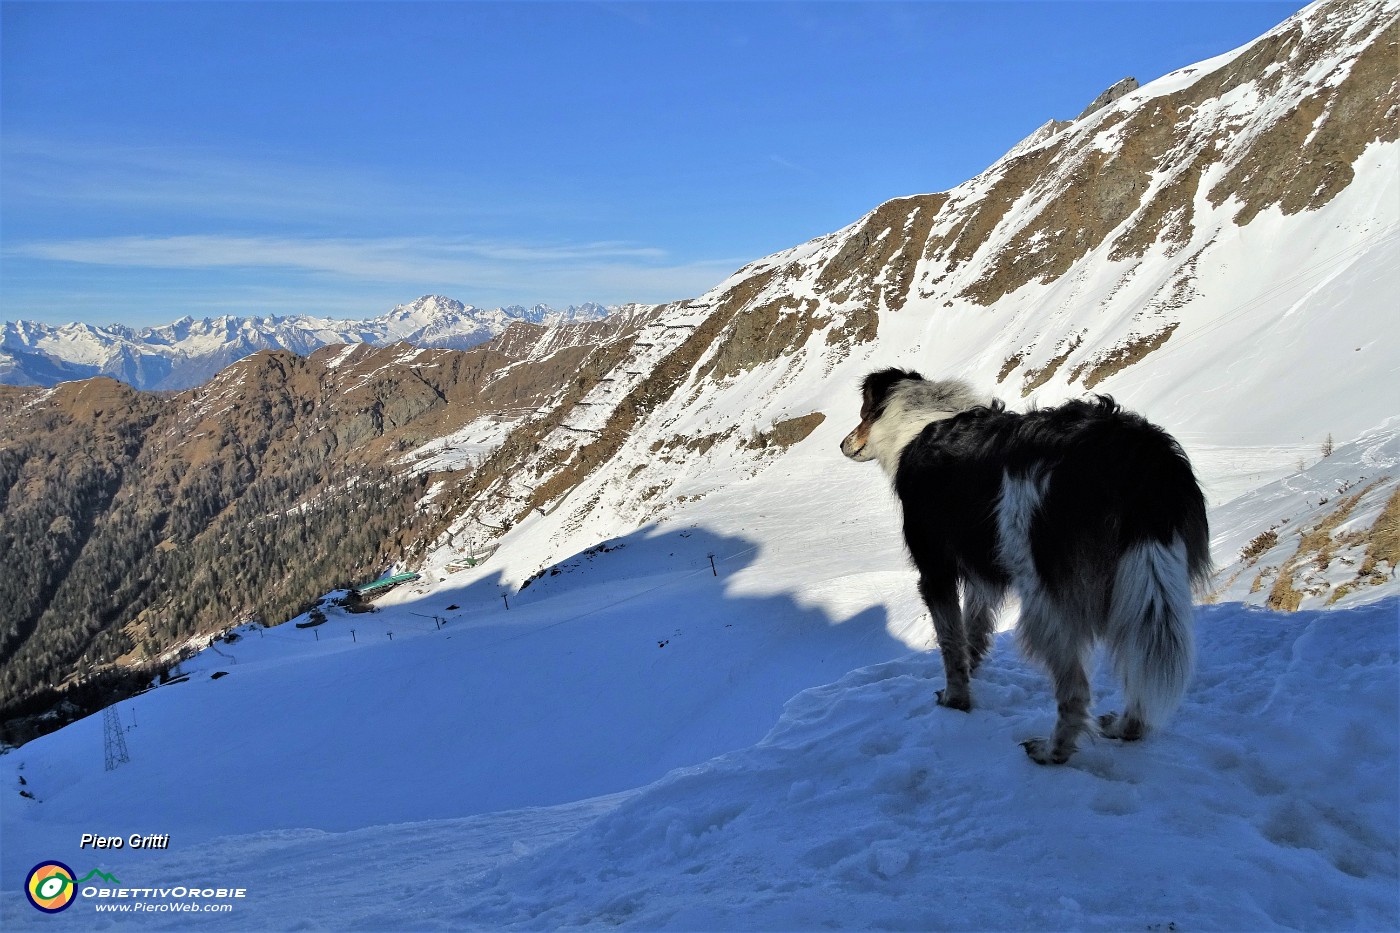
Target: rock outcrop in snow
{"x":1126,"y":86}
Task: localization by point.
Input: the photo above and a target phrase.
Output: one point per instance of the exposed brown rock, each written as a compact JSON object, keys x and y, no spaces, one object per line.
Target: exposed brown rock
{"x":1121,"y":89}
{"x":876,"y":265}
{"x":1035,"y":378}
{"x":1382,"y":542}
{"x":1120,"y":357}
{"x":1167,"y":217}
{"x":1009,"y":365}
{"x":659,"y":385}
{"x":1098,"y":191}
{"x":787,"y":432}
{"x":973,"y":223}
{"x":1299,"y":162}
{"x":763,"y":334}
{"x":1314,"y":546}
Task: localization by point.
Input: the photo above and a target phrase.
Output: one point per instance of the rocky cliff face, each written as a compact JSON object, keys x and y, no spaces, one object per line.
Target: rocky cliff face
{"x":1126,"y":86}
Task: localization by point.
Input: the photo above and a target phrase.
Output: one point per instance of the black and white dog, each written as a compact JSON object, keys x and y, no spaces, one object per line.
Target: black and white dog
{"x":1089,"y":513}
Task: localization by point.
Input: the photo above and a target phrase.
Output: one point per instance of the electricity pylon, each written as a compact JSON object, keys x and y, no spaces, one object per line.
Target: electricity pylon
{"x":113,"y":739}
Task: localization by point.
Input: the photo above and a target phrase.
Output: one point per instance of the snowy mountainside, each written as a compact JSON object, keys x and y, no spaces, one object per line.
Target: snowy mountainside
{"x":858,"y":798}
{"x":599,"y":726}
{"x":188,"y":352}
{"x":116,"y":502}
{"x":1136,"y":252}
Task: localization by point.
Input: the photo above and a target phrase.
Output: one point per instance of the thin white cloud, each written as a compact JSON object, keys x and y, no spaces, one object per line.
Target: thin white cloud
{"x":393,"y":258}
{"x":244,"y":252}
{"x":476,"y":271}
{"x":153,"y":178}
{"x":277,"y":187}
{"x":791,"y":165}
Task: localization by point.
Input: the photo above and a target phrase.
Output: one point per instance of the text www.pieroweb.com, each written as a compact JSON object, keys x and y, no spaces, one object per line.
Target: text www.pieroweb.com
{"x":164,"y":900}
{"x":167,"y":907}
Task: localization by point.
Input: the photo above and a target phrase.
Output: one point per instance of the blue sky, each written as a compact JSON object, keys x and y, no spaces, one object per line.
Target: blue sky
{"x":162,"y":159}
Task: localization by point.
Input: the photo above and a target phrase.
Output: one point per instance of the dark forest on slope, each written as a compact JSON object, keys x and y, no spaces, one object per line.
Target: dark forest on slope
{"x":113,"y":556}
{"x":133,"y":522}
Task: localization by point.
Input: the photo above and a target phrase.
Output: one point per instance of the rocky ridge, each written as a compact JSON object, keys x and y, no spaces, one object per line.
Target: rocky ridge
{"x":1088,"y":251}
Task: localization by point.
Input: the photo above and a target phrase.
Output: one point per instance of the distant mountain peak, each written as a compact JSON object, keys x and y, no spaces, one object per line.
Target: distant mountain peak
{"x":431,"y":305}
{"x":187,"y":351}
{"x":1121,"y":89}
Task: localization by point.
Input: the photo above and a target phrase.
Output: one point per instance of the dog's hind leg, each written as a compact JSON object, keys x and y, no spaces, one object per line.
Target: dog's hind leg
{"x":980,"y":604}
{"x":940,"y":594}
{"x":1053,"y":640}
{"x":1072,"y":702}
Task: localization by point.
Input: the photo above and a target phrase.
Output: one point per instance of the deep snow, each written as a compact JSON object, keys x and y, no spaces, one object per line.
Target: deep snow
{"x":642,"y":741}
{"x":1269,"y":803}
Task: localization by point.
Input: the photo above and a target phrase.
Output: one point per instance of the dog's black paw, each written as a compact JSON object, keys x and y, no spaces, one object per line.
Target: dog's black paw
{"x":1042,"y":752}
{"x":963,"y":703}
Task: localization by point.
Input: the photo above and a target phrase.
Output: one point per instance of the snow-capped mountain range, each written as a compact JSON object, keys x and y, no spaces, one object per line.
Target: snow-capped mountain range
{"x":706,"y":701}
{"x":189,"y":352}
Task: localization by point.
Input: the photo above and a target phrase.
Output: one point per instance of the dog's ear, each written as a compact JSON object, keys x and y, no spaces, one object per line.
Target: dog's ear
{"x":877,"y":385}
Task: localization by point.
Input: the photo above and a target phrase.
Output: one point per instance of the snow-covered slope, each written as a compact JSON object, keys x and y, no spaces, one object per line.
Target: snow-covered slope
{"x":1137,"y":252}
{"x":600,"y":727}
{"x":513,"y":764}
{"x":1327,"y":534}
{"x":189,"y":352}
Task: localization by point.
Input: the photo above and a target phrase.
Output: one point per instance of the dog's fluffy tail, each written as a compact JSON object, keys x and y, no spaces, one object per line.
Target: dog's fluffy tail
{"x":1150,"y":630}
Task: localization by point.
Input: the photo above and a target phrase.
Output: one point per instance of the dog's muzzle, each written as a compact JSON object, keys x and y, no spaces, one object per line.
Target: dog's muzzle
{"x":855,"y":447}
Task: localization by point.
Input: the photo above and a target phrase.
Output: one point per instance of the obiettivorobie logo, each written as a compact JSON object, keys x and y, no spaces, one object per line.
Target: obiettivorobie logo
{"x":53,"y":886}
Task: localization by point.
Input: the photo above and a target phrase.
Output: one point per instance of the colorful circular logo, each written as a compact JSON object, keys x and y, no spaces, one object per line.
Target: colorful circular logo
{"x":50,"y":887}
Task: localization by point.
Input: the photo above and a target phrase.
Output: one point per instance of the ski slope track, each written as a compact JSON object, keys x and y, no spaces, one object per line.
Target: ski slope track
{"x":691,"y":686}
